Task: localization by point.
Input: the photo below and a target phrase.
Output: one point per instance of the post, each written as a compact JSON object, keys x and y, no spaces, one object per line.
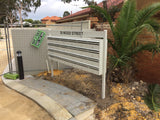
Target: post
{"x":81,"y":26}
{"x":47,"y":65}
{"x":89,"y":26}
{"x":7,"y":46}
{"x":20,"y":65}
{"x":49,"y":32}
{"x":57,"y":65}
{"x":51,"y":62}
{"x":10,"y":56}
{"x":104,"y":64}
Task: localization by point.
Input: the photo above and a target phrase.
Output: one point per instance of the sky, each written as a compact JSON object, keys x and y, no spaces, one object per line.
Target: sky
{"x":56,"y":8}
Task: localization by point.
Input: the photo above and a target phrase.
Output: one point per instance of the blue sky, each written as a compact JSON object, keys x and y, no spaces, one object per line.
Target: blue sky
{"x":56,"y":8}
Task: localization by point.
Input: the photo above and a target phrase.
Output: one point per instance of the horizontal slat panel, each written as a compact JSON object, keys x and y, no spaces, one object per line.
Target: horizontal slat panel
{"x":75,"y":44}
{"x":86,"y":40}
{"x":74,"y":58}
{"x":74,"y":55}
{"x":75,"y":48}
{"x":75,"y":65}
{"x":75,"y":51}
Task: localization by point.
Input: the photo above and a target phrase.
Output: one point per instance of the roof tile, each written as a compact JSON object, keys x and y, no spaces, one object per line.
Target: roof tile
{"x":53,"y":18}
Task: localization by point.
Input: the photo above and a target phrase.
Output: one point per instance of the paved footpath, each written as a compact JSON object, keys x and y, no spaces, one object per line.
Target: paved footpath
{"x":14,"y":106}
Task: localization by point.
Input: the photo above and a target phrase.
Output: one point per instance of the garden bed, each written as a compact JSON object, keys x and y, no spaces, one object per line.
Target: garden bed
{"x":122,"y":102}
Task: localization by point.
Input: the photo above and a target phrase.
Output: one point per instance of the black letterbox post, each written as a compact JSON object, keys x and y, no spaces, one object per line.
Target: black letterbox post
{"x":20,"y":65}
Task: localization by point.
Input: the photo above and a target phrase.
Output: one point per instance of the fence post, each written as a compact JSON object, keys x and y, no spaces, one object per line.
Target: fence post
{"x":81,"y":26}
{"x":104,"y":64}
{"x":8,"y":45}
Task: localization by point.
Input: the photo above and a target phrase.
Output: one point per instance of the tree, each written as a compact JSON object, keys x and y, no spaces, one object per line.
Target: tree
{"x":66,"y":13}
{"x":36,"y":23}
{"x":130,"y":24}
{"x":4,"y":5}
{"x":112,"y":11}
{"x":89,"y":2}
{"x":24,"y":6}
{"x":2,"y":18}
{"x":7,"y":9}
{"x":66,"y":1}
{"x":11,"y":15}
{"x":29,"y":20}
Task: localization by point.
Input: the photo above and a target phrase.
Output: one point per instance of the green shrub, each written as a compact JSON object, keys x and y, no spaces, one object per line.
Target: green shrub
{"x":152,"y":98}
{"x":130,"y":23}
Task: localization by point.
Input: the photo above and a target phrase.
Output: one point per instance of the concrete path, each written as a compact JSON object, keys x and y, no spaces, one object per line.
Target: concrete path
{"x":14,"y":106}
{"x":61,"y":103}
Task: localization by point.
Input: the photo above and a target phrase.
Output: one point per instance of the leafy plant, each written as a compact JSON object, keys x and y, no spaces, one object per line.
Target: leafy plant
{"x":152,"y":98}
{"x":112,"y":11}
{"x":130,"y":24}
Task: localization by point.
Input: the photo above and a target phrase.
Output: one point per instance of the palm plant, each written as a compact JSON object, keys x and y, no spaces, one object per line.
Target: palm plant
{"x":130,"y":24}
{"x":152,"y":98}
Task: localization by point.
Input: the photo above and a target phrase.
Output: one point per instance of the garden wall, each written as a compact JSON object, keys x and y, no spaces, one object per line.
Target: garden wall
{"x":148,"y":66}
{"x":34,"y":59}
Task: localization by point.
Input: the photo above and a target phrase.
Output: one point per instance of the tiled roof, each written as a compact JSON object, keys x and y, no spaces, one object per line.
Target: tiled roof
{"x":46,"y":18}
{"x":88,"y":10}
{"x":85,"y":11}
{"x":53,"y":18}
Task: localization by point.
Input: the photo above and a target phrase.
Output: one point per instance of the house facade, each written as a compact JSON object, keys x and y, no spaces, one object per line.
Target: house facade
{"x":89,"y":14}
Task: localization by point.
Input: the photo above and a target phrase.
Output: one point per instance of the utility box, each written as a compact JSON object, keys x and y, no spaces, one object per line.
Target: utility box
{"x":38,"y":38}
